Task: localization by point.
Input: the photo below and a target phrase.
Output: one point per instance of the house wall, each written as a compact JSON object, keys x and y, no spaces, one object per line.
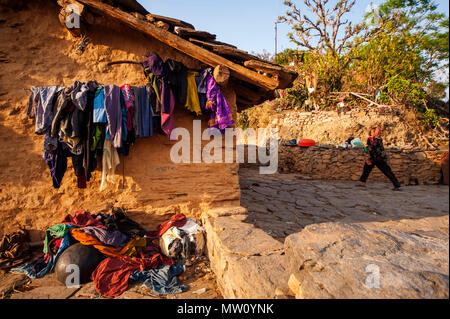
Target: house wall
{"x":35,"y":50}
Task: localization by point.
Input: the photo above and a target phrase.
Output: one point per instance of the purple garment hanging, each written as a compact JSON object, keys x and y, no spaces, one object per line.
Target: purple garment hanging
{"x":155,"y":64}
{"x":220,"y":112}
{"x":113,"y":113}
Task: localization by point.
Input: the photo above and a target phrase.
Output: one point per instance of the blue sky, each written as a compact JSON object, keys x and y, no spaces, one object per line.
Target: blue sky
{"x":248,"y":24}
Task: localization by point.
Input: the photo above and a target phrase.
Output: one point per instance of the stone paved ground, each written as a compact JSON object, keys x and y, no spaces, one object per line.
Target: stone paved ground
{"x":283,"y":204}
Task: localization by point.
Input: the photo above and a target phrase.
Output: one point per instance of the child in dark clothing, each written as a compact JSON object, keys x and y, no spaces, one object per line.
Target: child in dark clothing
{"x":377,"y":157}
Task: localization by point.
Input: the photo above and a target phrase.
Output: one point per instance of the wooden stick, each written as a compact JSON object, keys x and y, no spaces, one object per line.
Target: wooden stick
{"x":184,"y":46}
{"x":123,"y":61}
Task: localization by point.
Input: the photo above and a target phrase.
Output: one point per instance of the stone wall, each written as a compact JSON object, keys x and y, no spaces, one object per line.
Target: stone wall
{"x":401,"y":128}
{"x":347,"y":164}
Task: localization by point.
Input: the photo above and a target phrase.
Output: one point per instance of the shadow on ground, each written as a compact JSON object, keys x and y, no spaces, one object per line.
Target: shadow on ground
{"x":283,"y":204}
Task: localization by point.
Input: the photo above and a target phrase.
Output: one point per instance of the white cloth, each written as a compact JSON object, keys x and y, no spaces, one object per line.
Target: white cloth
{"x":110,"y":161}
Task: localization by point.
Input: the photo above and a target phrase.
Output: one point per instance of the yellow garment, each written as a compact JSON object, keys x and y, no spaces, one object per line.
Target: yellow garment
{"x":131,"y":249}
{"x":192,"y":101}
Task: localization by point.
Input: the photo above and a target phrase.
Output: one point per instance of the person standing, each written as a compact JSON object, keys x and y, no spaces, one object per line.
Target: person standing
{"x":378,"y":158}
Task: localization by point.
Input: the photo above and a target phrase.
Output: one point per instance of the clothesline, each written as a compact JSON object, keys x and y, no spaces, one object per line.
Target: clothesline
{"x":87,"y":121}
{"x":141,"y":63}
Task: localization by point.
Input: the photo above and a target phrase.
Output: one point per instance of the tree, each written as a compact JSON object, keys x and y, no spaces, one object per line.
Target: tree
{"x":319,"y":29}
{"x":403,"y":56}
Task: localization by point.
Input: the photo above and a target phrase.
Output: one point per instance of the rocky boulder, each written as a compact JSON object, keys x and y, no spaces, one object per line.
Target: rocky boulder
{"x":396,"y":259}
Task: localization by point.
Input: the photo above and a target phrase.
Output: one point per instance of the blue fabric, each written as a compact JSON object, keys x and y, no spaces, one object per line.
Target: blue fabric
{"x":162,"y":280}
{"x":35,"y":270}
{"x":145,"y":115}
{"x":99,"y":107}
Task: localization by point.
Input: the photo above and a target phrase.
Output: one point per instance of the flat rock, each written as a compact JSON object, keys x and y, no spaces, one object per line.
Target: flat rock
{"x":247,"y":262}
{"x":396,"y":259}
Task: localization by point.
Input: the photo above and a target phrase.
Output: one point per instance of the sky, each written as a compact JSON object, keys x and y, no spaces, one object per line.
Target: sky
{"x":247,"y":24}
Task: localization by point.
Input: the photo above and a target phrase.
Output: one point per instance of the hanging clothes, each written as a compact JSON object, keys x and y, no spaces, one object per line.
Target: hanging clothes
{"x":220,"y":112}
{"x":154,"y":66}
{"x":57,"y":163}
{"x":90,"y":156}
{"x":202,"y":88}
{"x":110,"y":161}
{"x":114,"y":114}
{"x":192,"y":100}
{"x":125,"y":146}
{"x":128,"y":95}
{"x":145,"y":114}
{"x":177,"y":79}
{"x":135,"y":119}
{"x":168,"y":103}
{"x":99,"y":106}
{"x":40,"y":107}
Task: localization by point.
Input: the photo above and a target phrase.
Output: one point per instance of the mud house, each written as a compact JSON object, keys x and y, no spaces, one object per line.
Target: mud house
{"x":43,"y":44}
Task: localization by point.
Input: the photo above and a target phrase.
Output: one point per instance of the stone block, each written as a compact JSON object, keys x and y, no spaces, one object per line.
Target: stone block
{"x":396,"y":259}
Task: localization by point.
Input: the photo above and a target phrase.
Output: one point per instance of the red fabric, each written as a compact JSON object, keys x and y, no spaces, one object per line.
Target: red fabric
{"x":81,"y":181}
{"x":112,"y":274}
{"x":306,"y":143}
{"x":81,"y":218}
{"x":57,"y":242}
{"x":177,"y":220}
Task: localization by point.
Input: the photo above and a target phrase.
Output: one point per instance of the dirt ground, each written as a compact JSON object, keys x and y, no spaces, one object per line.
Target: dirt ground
{"x":198,"y":277}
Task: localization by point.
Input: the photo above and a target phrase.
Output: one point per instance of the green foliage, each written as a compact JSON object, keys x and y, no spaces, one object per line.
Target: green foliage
{"x":430,"y":119}
{"x":406,"y":92}
{"x":243,"y":119}
{"x":398,"y":55}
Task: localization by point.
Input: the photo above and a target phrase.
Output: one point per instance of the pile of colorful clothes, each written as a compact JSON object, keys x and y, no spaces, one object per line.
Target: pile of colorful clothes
{"x":131,"y":253}
{"x":88,"y":121}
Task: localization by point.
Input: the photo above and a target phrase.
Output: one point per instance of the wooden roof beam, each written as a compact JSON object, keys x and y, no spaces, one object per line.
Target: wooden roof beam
{"x":184,"y":46}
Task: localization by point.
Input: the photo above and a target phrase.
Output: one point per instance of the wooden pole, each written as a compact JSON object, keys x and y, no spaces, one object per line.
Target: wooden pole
{"x":184,"y":46}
